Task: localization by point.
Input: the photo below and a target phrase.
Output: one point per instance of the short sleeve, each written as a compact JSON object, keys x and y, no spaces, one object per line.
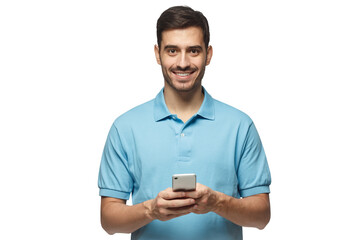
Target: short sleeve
{"x":114,"y":176}
{"x":253,"y":172}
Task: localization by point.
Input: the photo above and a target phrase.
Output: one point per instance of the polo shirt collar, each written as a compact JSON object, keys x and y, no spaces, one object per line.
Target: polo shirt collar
{"x":161,"y":111}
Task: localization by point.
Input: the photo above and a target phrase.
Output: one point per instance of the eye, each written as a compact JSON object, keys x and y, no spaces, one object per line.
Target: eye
{"x":172,"y":51}
{"x":194,"y":52}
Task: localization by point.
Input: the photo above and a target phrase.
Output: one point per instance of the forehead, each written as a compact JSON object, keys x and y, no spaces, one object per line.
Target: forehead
{"x":183,"y":37}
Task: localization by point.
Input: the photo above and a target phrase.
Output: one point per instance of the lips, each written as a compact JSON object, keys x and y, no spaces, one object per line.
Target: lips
{"x":183,"y":74}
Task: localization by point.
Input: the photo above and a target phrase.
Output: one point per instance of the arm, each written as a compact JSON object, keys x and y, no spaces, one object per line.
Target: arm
{"x":117,"y":217}
{"x":253,"y":211}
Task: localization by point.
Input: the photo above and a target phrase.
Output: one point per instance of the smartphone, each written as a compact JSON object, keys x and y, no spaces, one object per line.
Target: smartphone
{"x":184,"y":182}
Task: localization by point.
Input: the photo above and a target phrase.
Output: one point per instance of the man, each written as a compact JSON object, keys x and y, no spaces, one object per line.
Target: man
{"x":184,"y":130}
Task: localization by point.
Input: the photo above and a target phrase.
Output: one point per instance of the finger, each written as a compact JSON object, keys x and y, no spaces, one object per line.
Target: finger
{"x":176,"y":211}
{"x":176,"y":203}
{"x":170,"y":194}
{"x":201,"y":190}
{"x":194,"y":208}
{"x":194,"y":194}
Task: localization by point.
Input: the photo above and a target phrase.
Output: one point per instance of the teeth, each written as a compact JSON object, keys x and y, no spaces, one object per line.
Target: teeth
{"x":183,"y":74}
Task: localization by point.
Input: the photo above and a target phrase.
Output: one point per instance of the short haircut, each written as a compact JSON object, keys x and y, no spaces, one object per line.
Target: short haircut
{"x":180,"y":17}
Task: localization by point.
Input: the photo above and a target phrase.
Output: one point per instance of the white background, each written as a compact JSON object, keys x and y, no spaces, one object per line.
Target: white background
{"x":69,"y":68}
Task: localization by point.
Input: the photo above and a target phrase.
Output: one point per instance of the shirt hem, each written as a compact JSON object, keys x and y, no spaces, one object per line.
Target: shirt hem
{"x":254,"y":191}
{"x":114,"y":194}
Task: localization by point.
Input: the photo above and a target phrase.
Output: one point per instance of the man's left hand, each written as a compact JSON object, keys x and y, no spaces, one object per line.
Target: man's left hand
{"x":206,"y":199}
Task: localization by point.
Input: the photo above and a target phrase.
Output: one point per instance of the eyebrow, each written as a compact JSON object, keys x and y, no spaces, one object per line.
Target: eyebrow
{"x":196,"y":47}
{"x":170,"y":46}
{"x":190,"y":47}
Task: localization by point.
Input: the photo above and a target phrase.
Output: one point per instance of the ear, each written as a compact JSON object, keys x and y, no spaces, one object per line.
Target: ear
{"x":157,"y":54}
{"x":209,"y":55}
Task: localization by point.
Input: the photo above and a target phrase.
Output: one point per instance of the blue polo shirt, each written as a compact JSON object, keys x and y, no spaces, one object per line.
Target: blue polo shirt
{"x":148,"y":144}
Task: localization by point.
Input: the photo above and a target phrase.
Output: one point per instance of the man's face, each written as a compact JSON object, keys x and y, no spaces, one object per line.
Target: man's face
{"x":183,"y":58}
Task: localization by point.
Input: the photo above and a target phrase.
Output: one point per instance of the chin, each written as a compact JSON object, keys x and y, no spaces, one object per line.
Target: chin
{"x":183,"y":87}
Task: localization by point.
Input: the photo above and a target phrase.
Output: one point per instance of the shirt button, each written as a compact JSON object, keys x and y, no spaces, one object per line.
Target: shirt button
{"x":182,"y":134}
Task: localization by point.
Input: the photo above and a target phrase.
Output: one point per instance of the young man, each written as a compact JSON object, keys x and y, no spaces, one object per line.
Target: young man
{"x":184,"y":130}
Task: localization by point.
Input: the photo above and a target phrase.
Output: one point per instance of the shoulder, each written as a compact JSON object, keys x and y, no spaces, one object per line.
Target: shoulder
{"x":137,"y":115}
{"x":229,"y":113}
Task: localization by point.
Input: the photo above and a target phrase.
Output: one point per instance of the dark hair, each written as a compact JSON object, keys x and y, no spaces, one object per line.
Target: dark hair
{"x":179,"y":17}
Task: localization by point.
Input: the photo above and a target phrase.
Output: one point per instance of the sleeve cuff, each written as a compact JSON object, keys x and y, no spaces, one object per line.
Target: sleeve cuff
{"x":114,"y":194}
{"x":254,"y":191}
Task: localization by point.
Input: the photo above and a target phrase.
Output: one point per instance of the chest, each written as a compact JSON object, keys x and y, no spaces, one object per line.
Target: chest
{"x":169,"y":148}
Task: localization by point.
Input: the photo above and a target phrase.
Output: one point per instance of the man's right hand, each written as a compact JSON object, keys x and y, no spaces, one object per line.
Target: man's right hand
{"x":168,"y":205}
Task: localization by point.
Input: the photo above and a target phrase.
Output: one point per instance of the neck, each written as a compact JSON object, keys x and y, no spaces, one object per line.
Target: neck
{"x":183,"y":104}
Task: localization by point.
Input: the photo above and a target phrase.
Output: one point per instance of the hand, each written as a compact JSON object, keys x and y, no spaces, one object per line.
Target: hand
{"x":168,"y":205}
{"x":206,"y":199}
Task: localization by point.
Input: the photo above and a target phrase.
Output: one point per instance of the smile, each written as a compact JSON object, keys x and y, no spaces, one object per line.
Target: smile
{"x":182,"y":74}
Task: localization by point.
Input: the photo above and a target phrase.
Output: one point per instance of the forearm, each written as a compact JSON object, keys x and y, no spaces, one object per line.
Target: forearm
{"x":252,"y":211}
{"x":117,"y":217}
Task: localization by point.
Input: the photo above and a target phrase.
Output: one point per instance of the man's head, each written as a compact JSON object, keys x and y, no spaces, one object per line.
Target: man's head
{"x":183,"y":48}
{"x":181,"y":17}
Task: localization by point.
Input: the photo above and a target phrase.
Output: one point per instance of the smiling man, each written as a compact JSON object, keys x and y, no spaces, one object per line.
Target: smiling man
{"x":184,"y":130}
{"x":183,"y":55}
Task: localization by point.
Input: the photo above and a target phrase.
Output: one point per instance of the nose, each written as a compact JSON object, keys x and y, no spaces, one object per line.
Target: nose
{"x":183,"y":60}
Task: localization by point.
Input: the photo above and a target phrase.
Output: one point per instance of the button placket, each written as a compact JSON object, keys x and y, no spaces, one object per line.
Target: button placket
{"x":183,"y":132}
